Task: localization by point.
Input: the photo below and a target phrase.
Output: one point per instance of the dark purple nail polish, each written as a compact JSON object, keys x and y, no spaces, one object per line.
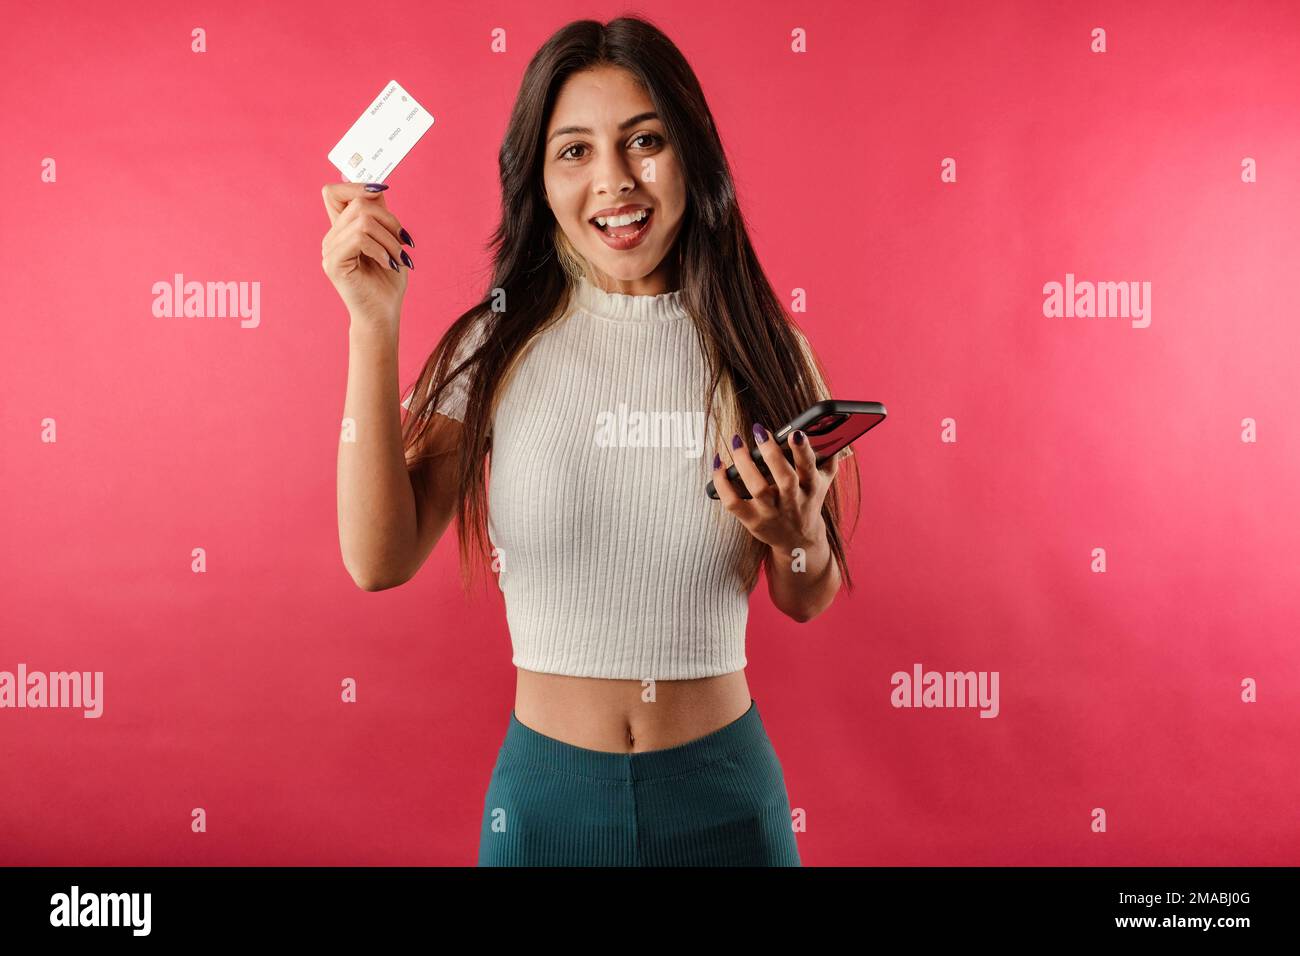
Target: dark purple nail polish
{"x":760,"y":433}
{"x":393,"y":264}
{"x":375,"y":187}
{"x":798,"y":438}
{"x":717,"y":462}
{"x":736,"y":442}
{"x":407,"y":260}
{"x":406,"y":238}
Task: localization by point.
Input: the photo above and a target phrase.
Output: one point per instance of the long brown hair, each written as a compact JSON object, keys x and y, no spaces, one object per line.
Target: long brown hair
{"x":761,"y":367}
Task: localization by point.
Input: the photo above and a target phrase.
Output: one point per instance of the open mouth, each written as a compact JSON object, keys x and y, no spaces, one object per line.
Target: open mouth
{"x":629,"y":231}
{"x":625,"y":236}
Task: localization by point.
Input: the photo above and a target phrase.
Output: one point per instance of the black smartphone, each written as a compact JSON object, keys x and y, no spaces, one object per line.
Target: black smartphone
{"x":831,"y":426}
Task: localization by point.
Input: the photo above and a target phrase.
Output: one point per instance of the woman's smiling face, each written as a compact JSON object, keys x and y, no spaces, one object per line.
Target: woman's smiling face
{"x":605,"y":149}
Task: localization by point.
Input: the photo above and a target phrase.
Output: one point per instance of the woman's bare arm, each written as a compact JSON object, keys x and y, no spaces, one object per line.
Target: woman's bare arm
{"x":391,"y":511}
{"x":803,"y":594}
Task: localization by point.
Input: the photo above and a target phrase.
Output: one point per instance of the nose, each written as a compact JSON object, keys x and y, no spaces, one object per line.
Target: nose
{"x":614,"y":173}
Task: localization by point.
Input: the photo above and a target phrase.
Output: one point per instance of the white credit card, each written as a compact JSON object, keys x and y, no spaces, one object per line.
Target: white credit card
{"x":384,"y":134}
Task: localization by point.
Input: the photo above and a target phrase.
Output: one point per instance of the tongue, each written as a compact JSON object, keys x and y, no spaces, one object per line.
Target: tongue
{"x":620,"y":232}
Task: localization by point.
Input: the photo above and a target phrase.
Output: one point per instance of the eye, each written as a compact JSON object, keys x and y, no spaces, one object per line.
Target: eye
{"x":655,"y":141}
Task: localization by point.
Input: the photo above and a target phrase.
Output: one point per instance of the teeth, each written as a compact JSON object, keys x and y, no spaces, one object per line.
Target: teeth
{"x":622,"y":220}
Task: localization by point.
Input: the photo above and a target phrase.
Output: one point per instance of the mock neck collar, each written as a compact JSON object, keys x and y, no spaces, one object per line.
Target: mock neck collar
{"x":618,"y":307}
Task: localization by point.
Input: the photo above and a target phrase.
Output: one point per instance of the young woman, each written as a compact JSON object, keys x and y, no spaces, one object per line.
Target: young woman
{"x":625,"y":291}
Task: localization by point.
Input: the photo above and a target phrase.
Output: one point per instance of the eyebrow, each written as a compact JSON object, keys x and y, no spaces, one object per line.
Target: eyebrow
{"x":639,"y":118}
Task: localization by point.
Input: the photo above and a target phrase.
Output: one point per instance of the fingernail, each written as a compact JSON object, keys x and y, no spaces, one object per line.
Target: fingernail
{"x":407,"y":260}
{"x":717,"y":462}
{"x":406,"y":238}
{"x":760,"y":433}
{"x":375,"y":187}
{"x":798,"y":438}
{"x":735,"y":441}
{"x":393,"y":264}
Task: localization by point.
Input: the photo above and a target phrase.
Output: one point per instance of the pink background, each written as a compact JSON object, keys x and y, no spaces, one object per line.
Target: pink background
{"x":1118,"y":690}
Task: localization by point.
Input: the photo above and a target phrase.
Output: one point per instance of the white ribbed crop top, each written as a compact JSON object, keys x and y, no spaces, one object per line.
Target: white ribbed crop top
{"x":613,"y":561}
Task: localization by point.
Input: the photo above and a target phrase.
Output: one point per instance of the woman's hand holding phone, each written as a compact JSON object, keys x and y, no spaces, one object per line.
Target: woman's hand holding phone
{"x":785,"y":512}
{"x":362,"y":255}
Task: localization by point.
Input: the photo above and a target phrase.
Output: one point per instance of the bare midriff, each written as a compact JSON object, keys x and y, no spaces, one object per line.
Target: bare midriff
{"x":615,"y":716}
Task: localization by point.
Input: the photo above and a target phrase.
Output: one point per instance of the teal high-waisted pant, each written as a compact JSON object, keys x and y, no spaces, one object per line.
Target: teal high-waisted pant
{"x":719,"y":800}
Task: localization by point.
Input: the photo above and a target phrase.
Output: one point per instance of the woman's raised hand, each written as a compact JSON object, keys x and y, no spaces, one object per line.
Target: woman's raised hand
{"x":362,"y":254}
